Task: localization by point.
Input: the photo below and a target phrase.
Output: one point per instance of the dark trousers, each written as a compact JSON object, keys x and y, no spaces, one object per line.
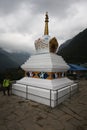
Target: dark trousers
{"x":6,"y":89}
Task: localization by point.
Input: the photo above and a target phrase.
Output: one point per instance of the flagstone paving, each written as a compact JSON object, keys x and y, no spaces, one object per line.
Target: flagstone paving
{"x":17,"y":113}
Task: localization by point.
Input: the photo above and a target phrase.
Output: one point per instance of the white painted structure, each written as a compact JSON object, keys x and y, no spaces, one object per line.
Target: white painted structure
{"x":48,"y":62}
{"x":43,"y":84}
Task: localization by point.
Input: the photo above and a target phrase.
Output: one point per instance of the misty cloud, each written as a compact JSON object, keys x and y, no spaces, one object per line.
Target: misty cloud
{"x":16,"y":42}
{"x":22,"y":21}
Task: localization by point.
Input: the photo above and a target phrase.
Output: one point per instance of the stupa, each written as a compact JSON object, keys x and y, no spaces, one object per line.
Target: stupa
{"x":45,"y":80}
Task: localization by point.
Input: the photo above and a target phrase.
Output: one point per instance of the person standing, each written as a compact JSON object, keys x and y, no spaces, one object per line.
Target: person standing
{"x":6,"y":86}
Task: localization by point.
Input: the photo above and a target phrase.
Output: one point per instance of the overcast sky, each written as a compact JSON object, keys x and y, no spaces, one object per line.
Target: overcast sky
{"x":22,"y":21}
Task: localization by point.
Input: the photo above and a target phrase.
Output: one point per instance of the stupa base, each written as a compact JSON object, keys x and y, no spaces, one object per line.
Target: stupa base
{"x":48,"y":92}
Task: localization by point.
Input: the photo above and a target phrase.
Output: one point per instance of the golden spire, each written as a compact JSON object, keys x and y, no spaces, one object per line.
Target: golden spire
{"x":46,"y":31}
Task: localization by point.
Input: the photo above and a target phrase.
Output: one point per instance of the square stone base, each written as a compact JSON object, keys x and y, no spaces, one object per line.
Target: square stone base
{"x":48,"y":92}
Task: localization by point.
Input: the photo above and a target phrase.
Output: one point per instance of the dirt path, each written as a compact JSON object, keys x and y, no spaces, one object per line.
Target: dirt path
{"x":19,"y":114}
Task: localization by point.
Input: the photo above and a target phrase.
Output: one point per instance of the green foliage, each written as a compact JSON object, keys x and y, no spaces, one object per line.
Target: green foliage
{"x":14,"y":74}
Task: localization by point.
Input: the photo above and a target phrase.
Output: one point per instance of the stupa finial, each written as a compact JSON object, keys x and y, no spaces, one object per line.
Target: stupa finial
{"x":46,"y":30}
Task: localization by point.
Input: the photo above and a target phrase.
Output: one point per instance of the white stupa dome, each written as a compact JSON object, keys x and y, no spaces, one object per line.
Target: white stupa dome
{"x":42,"y":44}
{"x":46,"y":44}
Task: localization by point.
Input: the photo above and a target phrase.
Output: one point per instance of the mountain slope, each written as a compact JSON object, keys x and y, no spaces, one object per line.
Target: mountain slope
{"x":75,"y":49}
{"x":11,"y":60}
{"x":19,"y":58}
{"x":5,"y":61}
